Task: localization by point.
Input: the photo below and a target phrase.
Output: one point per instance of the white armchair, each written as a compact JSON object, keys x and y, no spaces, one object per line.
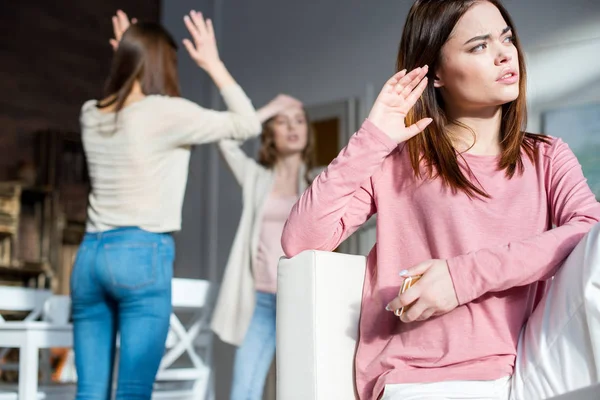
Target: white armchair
{"x":318,"y":307}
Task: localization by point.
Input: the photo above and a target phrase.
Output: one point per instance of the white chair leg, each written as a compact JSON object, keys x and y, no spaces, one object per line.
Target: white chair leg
{"x":28,"y":370}
{"x":211,"y":386}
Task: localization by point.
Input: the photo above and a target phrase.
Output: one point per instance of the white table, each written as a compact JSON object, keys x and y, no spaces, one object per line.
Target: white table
{"x":193,"y":339}
{"x":29,"y":338}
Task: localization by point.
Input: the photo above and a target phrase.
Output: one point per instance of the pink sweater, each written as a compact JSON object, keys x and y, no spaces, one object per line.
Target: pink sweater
{"x":277,"y":209}
{"x":498,"y":250}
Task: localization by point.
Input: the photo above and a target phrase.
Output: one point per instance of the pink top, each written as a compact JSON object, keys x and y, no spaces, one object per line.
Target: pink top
{"x":497,"y":251}
{"x":277,"y":210}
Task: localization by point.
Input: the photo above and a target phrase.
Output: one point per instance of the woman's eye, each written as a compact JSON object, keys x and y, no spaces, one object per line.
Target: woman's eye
{"x":479,"y":48}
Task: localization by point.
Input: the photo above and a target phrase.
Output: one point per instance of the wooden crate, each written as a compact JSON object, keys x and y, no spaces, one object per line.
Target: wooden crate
{"x":10,"y":204}
{"x":10,"y":208}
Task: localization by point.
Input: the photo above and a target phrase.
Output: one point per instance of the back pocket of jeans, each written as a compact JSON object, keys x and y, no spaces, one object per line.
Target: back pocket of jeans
{"x":131,"y":265}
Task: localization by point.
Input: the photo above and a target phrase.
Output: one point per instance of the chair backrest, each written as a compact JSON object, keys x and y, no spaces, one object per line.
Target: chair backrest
{"x":189,"y":343}
{"x":23,"y":299}
{"x":57,"y":309}
{"x":190,"y":293}
{"x":318,"y":308}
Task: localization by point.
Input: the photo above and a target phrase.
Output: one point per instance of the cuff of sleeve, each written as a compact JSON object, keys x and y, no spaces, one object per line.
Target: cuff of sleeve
{"x":378,"y":134}
{"x":462,"y":279}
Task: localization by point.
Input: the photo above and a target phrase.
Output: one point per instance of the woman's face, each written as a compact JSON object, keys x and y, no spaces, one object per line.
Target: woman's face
{"x":479,"y":64}
{"x":290,"y":131}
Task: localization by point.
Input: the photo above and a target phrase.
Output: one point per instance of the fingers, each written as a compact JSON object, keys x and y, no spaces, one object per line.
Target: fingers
{"x":418,"y":269}
{"x":394,"y":79}
{"x":198,"y":27}
{"x":123,"y":21}
{"x":120,"y":23}
{"x":192,"y":29}
{"x":414,"y":312}
{"x":407,"y":79}
{"x":420,"y":73}
{"x":411,"y":295}
{"x":418,"y":127}
{"x":394,"y":304}
{"x":198,"y":20}
{"x":209,"y":28}
{"x":190,"y":47}
{"x":404,"y":299}
{"x":116,"y":27}
{"x":412,"y":98}
{"x":427,"y":297}
{"x":428,"y":313}
{"x":286,"y":101}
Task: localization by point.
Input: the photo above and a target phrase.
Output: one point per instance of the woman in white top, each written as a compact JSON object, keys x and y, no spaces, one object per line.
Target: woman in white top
{"x":245,"y":311}
{"x":137,"y":142}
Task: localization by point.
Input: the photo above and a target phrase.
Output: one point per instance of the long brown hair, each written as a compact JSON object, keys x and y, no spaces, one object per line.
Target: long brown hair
{"x":428,"y":27}
{"x":268,"y":154}
{"x":148,"y":53}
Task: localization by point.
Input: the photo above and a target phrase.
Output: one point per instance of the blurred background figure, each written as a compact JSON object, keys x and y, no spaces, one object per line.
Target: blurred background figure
{"x":137,"y":143}
{"x":245,"y":311}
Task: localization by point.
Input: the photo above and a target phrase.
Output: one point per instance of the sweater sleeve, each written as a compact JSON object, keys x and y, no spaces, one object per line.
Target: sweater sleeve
{"x":192,"y":124}
{"x":574,"y":210}
{"x":237,"y":160}
{"x":340,"y":199}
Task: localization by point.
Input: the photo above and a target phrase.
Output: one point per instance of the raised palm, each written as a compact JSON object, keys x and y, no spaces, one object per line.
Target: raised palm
{"x":203,"y":49}
{"x":398,"y":96}
{"x":120,"y":23}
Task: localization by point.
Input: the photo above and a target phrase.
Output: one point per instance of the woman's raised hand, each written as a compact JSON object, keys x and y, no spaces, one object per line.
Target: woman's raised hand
{"x":203,"y":46}
{"x":398,"y":96}
{"x":120,"y":23}
{"x":279,"y":104}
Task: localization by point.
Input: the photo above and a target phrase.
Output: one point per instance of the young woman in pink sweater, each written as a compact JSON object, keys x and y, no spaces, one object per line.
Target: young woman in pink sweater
{"x":485,"y":212}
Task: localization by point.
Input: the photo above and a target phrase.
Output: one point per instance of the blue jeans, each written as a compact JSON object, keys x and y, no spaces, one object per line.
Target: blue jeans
{"x":121,"y":282}
{"x":253,"y":358}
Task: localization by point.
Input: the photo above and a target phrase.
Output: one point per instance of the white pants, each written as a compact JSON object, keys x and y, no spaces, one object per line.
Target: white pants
{"x":559,"y":348}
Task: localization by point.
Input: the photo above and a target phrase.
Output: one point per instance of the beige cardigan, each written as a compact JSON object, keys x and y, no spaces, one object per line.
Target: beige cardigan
{"x":236,"y":300}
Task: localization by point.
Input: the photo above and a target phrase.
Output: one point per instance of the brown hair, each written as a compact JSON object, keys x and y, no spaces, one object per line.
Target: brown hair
{"x":268,"y":154}
{"x":428,"y":27}
{"x":148,"y":53}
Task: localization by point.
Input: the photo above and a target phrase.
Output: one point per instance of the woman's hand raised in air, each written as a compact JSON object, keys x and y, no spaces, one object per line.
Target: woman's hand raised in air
{"x":120,"y":23}
{"x":203,"y":48}
{"x":398,"y":96}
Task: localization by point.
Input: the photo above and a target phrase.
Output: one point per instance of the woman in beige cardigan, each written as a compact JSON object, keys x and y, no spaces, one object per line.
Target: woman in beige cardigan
{"x":245,"y":311}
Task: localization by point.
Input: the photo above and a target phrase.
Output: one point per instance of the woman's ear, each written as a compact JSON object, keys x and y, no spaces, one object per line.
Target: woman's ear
{"x":438,"y":81}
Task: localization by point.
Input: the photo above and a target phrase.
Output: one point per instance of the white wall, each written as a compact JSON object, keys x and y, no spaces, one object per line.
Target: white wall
{"x":321,"y":51}
{"x":326,"y":50}
{"x":564,"y":75}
